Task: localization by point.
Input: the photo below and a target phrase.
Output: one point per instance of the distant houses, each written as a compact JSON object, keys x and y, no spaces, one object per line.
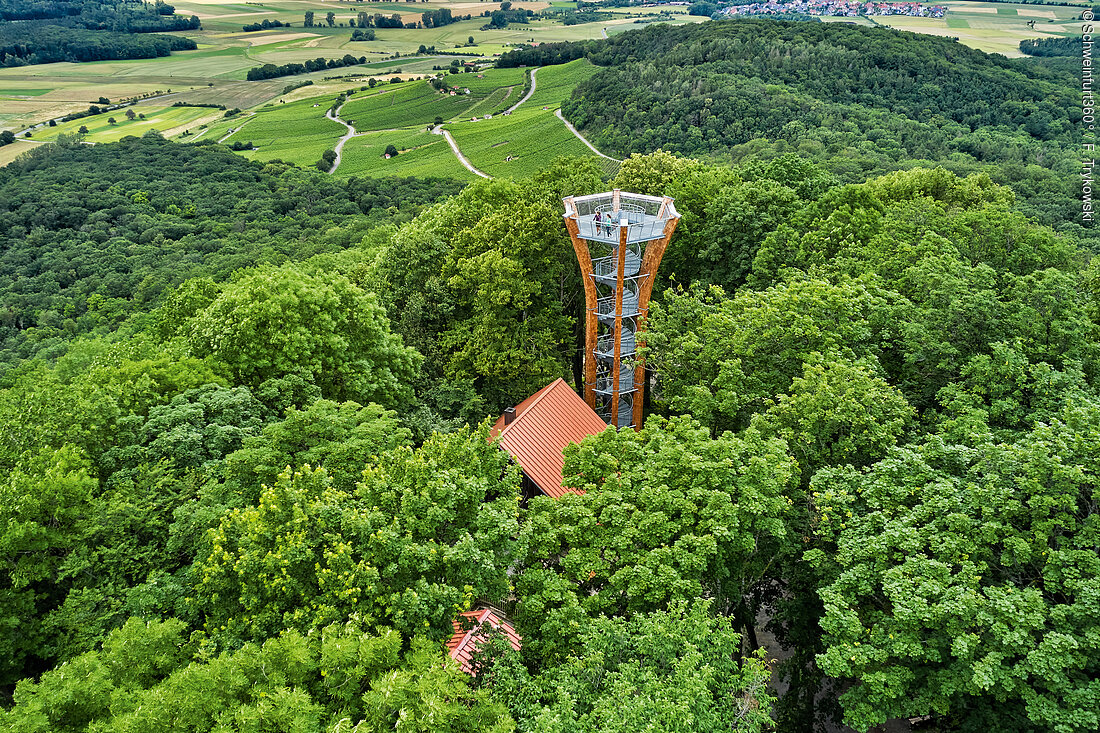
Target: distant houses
{"x":842,"y":8}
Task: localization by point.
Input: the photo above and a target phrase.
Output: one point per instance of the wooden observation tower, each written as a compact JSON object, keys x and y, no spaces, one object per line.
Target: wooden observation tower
{"x":619,"y":239}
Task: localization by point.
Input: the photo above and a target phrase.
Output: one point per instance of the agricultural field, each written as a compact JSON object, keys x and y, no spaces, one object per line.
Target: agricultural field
{"x":417,"y":103}
{"x":8,"y":153}
{"x":517,"y":146}
{"x":297,"y":132}
{"x":993,"y":27}
{"x":166,"y":120}
{"x":554,"y":84}
{"x":421,"y":154}
{"x":521,"y":144}
{"x":215,"y":72}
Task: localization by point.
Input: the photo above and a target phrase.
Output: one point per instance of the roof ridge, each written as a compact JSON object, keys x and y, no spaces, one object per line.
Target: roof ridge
{"x":545,"y":391}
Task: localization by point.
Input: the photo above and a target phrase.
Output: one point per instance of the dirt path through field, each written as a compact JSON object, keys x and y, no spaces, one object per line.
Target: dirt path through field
{"x":335,"y":117}
{"x":526,"y":96}
{"x":581,"y":137}
{"x":458,"y":153}
{"x":225,"y":137}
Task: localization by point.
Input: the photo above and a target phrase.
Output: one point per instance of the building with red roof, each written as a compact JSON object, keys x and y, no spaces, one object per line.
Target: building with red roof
{"x":471,"y":631}
{"x":536,"y":431}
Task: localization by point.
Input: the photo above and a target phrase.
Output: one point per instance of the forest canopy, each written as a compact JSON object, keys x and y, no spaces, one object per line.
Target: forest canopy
{"x":249,"y":480}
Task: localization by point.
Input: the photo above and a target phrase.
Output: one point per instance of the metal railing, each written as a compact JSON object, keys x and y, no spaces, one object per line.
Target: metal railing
{"x":606,"y":267}
{"x":606,"y":306}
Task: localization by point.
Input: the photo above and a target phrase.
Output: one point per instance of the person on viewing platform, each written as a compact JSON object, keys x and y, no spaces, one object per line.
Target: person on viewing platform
{"x":598,"y":219}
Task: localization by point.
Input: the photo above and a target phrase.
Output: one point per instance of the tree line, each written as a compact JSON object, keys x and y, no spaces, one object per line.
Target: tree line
{"x":1069,"y":46}
{"x":95,"y":30}
{"x":271,"y":71}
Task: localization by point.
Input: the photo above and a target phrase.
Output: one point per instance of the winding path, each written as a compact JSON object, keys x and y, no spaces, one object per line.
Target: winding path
{"x":526,"y":96}
{"x":581,"y":137}
{"x":335,"y":117}
{"x":458,"y":153}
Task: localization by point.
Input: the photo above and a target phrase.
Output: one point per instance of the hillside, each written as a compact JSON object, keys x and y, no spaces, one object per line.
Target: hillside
{"x":859,"y":100}
{"x":91,"y":235}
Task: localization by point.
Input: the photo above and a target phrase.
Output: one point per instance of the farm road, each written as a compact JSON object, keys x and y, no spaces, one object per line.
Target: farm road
{"x":525,"y":96}
{"x":458,"y":153}
{"x":581,"y":137}
{"x":335,"y":117}
{"x":251,"y":116}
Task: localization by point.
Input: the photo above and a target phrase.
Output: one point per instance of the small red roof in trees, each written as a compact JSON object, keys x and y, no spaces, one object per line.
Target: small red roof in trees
{"x":544,"y":424}
{"x":464,"y":643}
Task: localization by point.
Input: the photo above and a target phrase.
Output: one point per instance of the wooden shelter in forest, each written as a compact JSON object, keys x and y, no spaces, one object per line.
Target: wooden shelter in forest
{"x":536,"y":431}
{"x":471,"y":631}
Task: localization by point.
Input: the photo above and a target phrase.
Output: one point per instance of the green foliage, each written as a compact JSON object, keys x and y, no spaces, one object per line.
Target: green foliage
{"x":486,"y":287}
{"x":725,"y":214}
{"x":42,"y":501}
{"x":838,"y":413}
{"x":668,"y":515}
{"x":106,"y":243}
{"x":341,"y":438}
{"x":277,"y":322}
{"x":674,"y":670}
{"x":97,"y":397}
{"x":144,"y":679}
{"x":963,"y":580}
{"x":424,"y":696}
{"x":426,"y":533}
{"x":724,"y":359}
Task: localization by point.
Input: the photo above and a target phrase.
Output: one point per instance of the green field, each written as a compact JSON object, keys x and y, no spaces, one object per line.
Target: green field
{"x":417,"y":103}
{"x":992,"y":27}
{"x":422,"y":154}
{"x":554,"y":84}
{"x":100,"y":130}
{"x":532,"y":138}
{"x":297,"y":132}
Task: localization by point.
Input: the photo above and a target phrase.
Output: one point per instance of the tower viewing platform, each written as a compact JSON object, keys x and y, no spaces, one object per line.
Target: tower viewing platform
{"x":619,"y":239}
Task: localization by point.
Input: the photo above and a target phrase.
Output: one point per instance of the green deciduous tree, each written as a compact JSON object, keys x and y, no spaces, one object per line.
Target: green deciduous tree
{"x":675,"y":670}
{"x":275,"y":322}
{"x":42,"y":502}
{"x":668,"y":514}
{"x":964,"y":581}
{"x":341,"y":438}
{"x":427,"y":533}
{"x":724,"y":358}
{"x":148,"y":676}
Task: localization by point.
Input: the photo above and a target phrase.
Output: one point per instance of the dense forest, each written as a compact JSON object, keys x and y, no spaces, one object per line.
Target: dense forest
{"x":92,"y":30}
{"x":84,"y":250}
{"x":860,"y":101}
{"x":248,"y":482}
{"x":1070,"y":46}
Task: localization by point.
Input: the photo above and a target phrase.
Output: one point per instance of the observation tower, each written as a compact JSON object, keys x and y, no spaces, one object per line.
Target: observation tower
{"x":619,"y":239}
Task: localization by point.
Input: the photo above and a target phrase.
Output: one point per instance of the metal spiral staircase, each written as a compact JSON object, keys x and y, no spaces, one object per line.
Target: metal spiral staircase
{"x":619,"y":239}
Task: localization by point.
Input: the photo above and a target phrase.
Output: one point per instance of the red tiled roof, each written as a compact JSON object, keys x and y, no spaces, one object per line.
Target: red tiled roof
{"x":463,"y":644}
{"x":545,"y":423}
